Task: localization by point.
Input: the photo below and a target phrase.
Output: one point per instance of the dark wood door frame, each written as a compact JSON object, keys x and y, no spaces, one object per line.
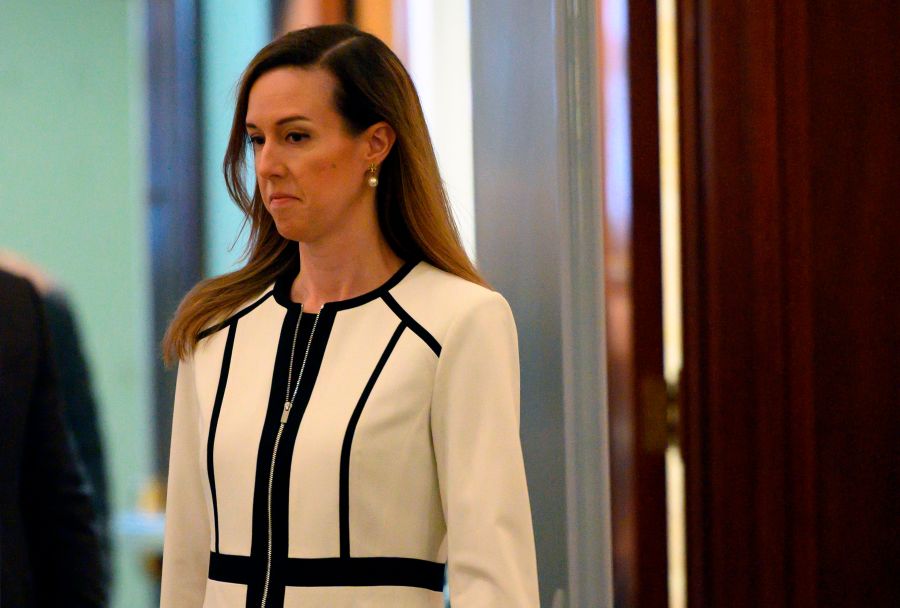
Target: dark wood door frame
{"x":633,"y":273}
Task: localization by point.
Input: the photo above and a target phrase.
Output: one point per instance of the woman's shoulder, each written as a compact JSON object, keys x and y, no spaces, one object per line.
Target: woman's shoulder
{"x":438,"y":299}
{"x":429,"y":277}
{"x":249,"y":304}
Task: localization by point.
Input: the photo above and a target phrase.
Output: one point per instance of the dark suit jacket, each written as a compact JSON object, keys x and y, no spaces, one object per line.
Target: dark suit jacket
{"x":49,"y":545}
{"x":80,"y":410}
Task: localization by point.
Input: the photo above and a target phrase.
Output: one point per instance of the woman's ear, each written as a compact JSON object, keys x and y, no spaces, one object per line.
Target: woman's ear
{"x":379,"y":139}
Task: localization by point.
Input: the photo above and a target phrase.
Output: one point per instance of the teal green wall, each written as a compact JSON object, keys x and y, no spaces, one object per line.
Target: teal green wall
{"x":232,"y":34}
{"x":73,"y":195}
{"x":72,"y":199}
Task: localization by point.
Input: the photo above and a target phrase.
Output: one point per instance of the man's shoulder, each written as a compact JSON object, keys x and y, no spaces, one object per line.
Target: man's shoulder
{"x":19,"y":307}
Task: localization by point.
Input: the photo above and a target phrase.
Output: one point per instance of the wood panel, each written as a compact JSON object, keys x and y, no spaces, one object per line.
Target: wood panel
{"x":376,"y":17}
{"x":790,"y":217}
{"x":633,"y":273}
{"x":296,"y":14}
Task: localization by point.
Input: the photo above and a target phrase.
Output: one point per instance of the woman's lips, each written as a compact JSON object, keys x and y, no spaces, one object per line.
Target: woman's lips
{"x":280,"y":199}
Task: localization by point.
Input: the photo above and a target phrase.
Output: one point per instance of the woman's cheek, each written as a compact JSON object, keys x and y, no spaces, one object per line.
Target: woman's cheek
{"x":320,"y":165}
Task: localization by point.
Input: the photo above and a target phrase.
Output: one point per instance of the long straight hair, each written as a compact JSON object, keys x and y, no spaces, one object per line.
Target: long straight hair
{"x":412,"y":207}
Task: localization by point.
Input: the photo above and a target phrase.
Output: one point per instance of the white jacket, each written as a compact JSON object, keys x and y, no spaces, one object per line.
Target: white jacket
{"x":400,"y":454}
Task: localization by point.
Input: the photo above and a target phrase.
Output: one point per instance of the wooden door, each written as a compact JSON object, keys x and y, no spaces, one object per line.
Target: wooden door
{"x":791,"y":216}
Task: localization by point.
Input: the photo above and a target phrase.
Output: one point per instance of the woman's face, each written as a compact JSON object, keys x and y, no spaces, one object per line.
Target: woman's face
{"x":310,"y":171}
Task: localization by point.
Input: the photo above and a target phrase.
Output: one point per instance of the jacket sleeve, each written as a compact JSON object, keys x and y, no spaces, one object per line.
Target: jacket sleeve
{"x":187,"y":537}
{"x":475,"y":429}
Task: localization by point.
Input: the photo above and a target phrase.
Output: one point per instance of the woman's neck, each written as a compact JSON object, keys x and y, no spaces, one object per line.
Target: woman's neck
{"x":335,"y":271}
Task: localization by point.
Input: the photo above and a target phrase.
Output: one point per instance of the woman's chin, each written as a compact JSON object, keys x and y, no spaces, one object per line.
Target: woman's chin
{"x":292,"y":231}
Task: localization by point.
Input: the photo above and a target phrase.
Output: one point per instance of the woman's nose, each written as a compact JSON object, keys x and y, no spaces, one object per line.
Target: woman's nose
{"x":268,"y":161}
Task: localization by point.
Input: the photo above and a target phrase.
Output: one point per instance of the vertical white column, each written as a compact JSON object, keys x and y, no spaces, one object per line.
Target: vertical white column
{"x":583,"y":307}
{"x":440,"y":65}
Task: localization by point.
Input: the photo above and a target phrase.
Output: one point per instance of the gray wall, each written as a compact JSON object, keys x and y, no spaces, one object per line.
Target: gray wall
{"x":538,"y":234}
{"x":517,"y":232}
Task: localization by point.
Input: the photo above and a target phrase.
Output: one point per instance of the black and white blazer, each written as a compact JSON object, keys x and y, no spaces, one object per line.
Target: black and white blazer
{"x":400,"y":454}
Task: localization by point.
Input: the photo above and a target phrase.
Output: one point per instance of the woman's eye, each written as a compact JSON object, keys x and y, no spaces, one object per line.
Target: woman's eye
{"x":297,"y":137}
{"x":255,"y":140}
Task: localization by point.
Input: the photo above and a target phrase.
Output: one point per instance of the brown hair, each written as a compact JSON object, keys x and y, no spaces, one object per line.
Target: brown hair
{"x":412,"y":206}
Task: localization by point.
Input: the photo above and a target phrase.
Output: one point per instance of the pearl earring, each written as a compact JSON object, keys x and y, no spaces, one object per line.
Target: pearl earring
{"x":373,"y":178}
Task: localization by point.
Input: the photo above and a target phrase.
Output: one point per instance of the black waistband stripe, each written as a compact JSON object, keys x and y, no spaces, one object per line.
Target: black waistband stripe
{"x":335,"y":571}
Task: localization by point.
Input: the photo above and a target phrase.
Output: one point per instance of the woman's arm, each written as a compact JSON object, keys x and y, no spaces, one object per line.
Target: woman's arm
{"x":475,"y":427}
{"x":187,"y":541}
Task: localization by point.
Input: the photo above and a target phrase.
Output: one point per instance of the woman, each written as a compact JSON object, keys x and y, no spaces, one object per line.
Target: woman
{"x":346,"y":416}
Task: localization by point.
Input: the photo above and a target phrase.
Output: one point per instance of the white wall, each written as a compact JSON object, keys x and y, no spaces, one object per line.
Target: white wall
{"x":440,"y":65}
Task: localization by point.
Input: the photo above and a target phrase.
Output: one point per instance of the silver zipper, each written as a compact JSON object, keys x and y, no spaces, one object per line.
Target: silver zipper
{"x":288,"y":404}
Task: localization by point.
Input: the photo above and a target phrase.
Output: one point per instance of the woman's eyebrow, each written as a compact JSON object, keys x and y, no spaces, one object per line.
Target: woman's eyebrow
{"x":281,"y":121}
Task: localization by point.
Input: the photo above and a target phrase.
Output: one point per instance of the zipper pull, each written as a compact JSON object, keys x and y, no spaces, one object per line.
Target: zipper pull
{"x":287,"y":410}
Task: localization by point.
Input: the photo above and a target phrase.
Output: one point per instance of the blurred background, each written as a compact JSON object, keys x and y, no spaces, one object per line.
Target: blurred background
{"x":691,"y":207}
{"x":114,"y":195}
